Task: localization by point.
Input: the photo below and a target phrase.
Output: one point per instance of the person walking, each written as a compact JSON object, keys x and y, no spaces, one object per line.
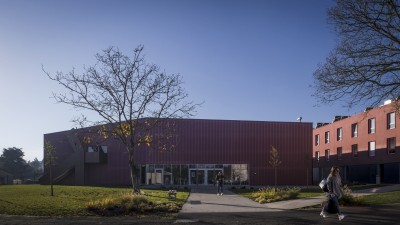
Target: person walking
{"x":334,"y":183}
{"x":220,"y":182}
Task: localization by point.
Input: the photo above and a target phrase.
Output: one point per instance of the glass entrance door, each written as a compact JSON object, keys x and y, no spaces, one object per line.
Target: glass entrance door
{"x":203,"y":176}
{"x":158,"y":176}
{"x":198,"y":177}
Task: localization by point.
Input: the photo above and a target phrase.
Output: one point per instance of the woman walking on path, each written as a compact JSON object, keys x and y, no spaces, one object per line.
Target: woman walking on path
{"x":334,"y":183}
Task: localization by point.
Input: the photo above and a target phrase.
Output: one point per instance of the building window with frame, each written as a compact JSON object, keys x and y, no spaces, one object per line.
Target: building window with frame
{"x":391,"y":120}
{"x":371,"y":126}
{"x":391,"y":145}
{"x":327,"y":137}
{"x":317,"y":156}
{"x":327,"y":154}
{"x":339,"y":153}
{"x":354,"y":130}
{"x":371,"y":148}
{"x":339,"y":134}
{"x":317,"y":140}
{"x":354,"y":150}
{"x":98,"y":148}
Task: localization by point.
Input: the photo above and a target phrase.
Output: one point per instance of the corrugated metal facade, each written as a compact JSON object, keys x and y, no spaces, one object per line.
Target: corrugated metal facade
{"x":214,"y":142}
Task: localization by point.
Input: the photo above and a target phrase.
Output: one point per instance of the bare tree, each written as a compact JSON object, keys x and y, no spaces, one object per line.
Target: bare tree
{"x":275,"y":162}
{"x":133,"y":99}
{"x":364,"y":68}
{"x":49,"y":151}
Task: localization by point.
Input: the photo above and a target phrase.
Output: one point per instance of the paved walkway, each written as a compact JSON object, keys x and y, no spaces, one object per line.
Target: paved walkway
{"x":204,"y":206}
{"x":206,"y":200}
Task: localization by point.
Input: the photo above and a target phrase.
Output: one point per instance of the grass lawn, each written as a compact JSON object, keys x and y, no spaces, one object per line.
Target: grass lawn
{"x":382,"y":198}
{"x":67,"y":200}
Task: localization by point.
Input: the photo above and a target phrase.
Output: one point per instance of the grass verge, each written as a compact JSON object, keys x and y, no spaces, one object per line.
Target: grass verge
{"x":35,"y":200}
{"x":392,"y":197}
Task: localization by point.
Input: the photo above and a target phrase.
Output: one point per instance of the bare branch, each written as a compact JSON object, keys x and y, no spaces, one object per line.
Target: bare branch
{"x":365,"y":67}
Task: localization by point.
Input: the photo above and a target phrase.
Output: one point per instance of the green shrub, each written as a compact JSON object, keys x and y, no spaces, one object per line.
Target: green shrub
{"x":348,"y":198}
{"x":265,"y":195}
{"x":128,"y":204}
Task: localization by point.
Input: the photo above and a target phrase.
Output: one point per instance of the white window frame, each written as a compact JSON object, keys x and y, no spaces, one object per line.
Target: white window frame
{"x":339,"y":136}
{"x":327,"y":154}
{"x":371,"y":148}
{"x":354,"y":150}
{"x":391,"y":145}
{"x":339,"y":154}
{"x":371,"y":126}
{"x":317,"y":140}
{"x":354,"y":130}
{"x":327,"y":137}
{"x":391,"y":120}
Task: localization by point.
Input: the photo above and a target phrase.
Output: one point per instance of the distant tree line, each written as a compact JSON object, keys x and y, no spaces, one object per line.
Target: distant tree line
{"x":12,"y":162}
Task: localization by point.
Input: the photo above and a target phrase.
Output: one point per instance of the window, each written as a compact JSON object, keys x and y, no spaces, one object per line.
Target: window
{"x":391,"y":145}
{"x":317,"y":156}
{"x":371,"y":126}
{"x":354,"y":130}
{"x":339,"y":134}
{"x":327,"y":137}
{"x":99,"y":148}
{"x":317,"y":140}
{"x":354,"y":150}
{"x":339,"y":153}
{"x":327,"y":154}
{"x":371,"y":148}
{"x":391,"y":120}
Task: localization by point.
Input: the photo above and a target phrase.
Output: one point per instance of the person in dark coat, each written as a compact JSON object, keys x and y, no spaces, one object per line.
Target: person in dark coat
{"x":334,"y":183}
{"x":220,"y":182}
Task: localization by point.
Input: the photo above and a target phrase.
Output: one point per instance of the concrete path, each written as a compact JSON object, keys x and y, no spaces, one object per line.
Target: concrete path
{"x":206,"y":200}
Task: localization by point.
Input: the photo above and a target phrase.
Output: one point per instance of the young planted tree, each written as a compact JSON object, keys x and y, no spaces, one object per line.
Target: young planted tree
{"x":49,"y":152}
{"x":274,"y":162}
{"x":365,"y":65}
{"x":133,"y":99}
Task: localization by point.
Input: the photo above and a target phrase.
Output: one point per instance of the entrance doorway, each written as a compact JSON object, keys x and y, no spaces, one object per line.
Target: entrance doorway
{"x":202,"y":176}
{"x":158,"y":176}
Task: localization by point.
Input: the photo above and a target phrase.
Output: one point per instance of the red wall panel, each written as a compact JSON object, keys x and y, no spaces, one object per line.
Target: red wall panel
{"x":213,"y":142}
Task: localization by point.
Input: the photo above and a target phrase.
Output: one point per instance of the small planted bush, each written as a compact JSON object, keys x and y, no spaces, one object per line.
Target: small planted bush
{"x":348,"y":198}
{"x":265,"y":195}
{"x":128,"y":204}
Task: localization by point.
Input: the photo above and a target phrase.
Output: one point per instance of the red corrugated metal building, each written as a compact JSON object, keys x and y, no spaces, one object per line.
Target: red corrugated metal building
{"x":241,"y":149}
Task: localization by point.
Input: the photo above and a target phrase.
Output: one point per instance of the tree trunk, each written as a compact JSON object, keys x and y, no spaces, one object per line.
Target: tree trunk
{"x":276,"y":174}
{"x":135,"y":185}
{"x":51,"y":182}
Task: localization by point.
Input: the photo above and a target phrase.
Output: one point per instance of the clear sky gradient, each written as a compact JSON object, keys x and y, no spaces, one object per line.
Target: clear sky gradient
{"x":247,"y":60}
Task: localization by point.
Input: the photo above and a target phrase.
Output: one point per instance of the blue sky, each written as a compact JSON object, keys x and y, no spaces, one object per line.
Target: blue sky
{"x":247,"y":60}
